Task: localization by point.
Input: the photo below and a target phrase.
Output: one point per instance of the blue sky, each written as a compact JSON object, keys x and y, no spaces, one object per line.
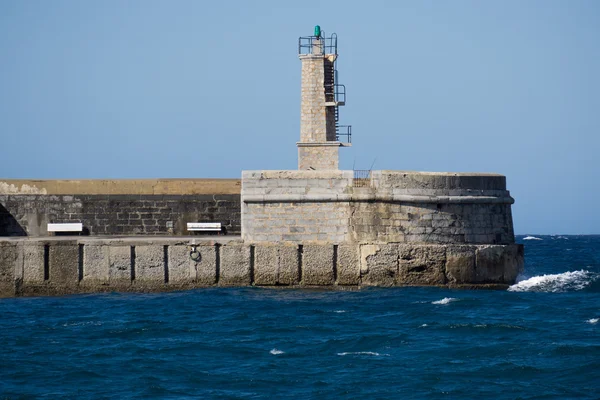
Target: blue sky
{"x":144,"y":89}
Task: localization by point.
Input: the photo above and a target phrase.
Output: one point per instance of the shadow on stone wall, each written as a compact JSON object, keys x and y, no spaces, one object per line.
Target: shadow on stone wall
{"x":9,"y":226}
{"x":104,"y":215}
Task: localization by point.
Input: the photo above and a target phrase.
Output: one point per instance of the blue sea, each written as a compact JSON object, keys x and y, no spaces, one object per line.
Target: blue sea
{"x":538,"y":340}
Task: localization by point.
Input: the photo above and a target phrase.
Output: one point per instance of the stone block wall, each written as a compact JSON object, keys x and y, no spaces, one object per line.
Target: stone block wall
{"x":394,"y":206}
{"x":28,"y":215}
{"x":293,"y":219}
{"x":312,"y":109}
{"x":275,"y":222}
{"x":431,"y":223}
{"x":119,"y":207}
{"x":318,"y":148}
{"x":319,"y":157}
{"x":36,"y":266}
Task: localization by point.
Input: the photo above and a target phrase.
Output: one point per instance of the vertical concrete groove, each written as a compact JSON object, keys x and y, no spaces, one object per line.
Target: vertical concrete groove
{"x":335,"y":262}
{"x":46,"y":262}
{"x":300,"y":251}
{"x":252,"y":265}
{"x":80,"y":263}
{"x":132,"y":257}
{"x":217,"y":263}
{"x":166,"y":262}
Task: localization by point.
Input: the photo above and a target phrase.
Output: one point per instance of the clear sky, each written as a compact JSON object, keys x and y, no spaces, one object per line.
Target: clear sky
{"x":145,"y":89}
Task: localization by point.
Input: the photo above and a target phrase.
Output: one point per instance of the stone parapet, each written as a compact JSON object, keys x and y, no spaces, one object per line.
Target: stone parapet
{"x":119,"y":186}
{"x":31,"y":267}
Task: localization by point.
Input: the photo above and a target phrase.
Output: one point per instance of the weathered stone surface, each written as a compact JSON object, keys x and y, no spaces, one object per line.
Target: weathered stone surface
{"x":234,"y":265}
{"x":107,"y":265}
{"x":9,"y":262}
{"x":119,"y":272}
{"x":379,"y":264}
{"x":96,"y":264}
{"x":348,"y":265}
{"x":64,"y":263}
{"x":317,"y":265}
{"x":9,"y":254}
{"x":276,"y":265}
{"x":266,"y":265}
{"x":317,"y":149}
{"x":288,"y":273}
{"x":182,"y":269}
{"x":498,"y":264}
{"x":318,"y":157}
{"x":460,"y":264}
{"x":206,"y":268}
{"x":33,"y":263}
{"x":421,"y":265}
{"x":514,"y":262}
{"x":424,"y":208}
{"x":489,"y":265}
{"x":150,"y":264}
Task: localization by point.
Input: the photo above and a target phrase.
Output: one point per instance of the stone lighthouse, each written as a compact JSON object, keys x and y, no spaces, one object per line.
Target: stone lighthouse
{"x":320,"y":134}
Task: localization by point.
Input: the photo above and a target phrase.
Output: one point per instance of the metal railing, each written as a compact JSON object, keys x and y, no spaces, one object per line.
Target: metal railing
{"x":318,"y":45}
{"x":335,"y":91}
{"x":343,"y":131}
{"x":362,"y":178}
{"x":338,"y":92}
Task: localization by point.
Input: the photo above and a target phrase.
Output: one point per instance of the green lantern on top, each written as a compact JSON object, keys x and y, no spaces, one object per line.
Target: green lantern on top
{"x":317,"y":31}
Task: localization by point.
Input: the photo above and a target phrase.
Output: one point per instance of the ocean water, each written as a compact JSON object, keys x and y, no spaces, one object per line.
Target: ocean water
{"x":538,"y":340}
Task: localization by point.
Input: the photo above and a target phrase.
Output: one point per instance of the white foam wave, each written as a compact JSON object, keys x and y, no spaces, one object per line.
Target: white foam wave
{"x":532,"y":238}
{"x":445,"y":300}
{"x":424,"y":325}
{"x":339,"y":311}
{"x":554,"y":283}
{"x":593,"y":320}
{"x":276,"y":352}
{"x":362,"y":353}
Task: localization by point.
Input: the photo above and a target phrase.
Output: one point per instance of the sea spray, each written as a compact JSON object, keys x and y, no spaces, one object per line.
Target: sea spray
{"x":566,"y":281}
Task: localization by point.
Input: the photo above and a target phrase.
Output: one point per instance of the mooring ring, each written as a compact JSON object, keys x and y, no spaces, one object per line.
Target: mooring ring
{"x":195,"y":255}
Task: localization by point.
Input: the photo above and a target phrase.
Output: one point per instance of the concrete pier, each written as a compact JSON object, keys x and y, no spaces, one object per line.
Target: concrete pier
{"x":69,"y":265}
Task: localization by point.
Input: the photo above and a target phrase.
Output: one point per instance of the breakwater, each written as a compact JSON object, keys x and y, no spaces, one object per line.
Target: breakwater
{"x":67,"y":265}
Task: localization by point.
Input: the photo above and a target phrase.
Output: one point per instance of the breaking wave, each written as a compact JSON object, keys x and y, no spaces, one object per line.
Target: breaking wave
{"x":445,"y":300}
{"x":554,"y":283}
{"x":276,"y":352}
{"x":592,"y":321}
{"x":532,"y":238}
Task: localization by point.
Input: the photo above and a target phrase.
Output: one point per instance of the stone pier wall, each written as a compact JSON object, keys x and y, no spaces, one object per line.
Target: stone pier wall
{"x":121,"y":207}
{"x":57,"y":266}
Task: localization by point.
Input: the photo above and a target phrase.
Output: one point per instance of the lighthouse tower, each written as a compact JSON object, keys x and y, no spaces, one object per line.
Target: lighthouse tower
{"x":321,"y":136}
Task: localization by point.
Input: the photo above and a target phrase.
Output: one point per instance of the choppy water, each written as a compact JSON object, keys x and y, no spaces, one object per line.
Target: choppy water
{"x":540,"y":339}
